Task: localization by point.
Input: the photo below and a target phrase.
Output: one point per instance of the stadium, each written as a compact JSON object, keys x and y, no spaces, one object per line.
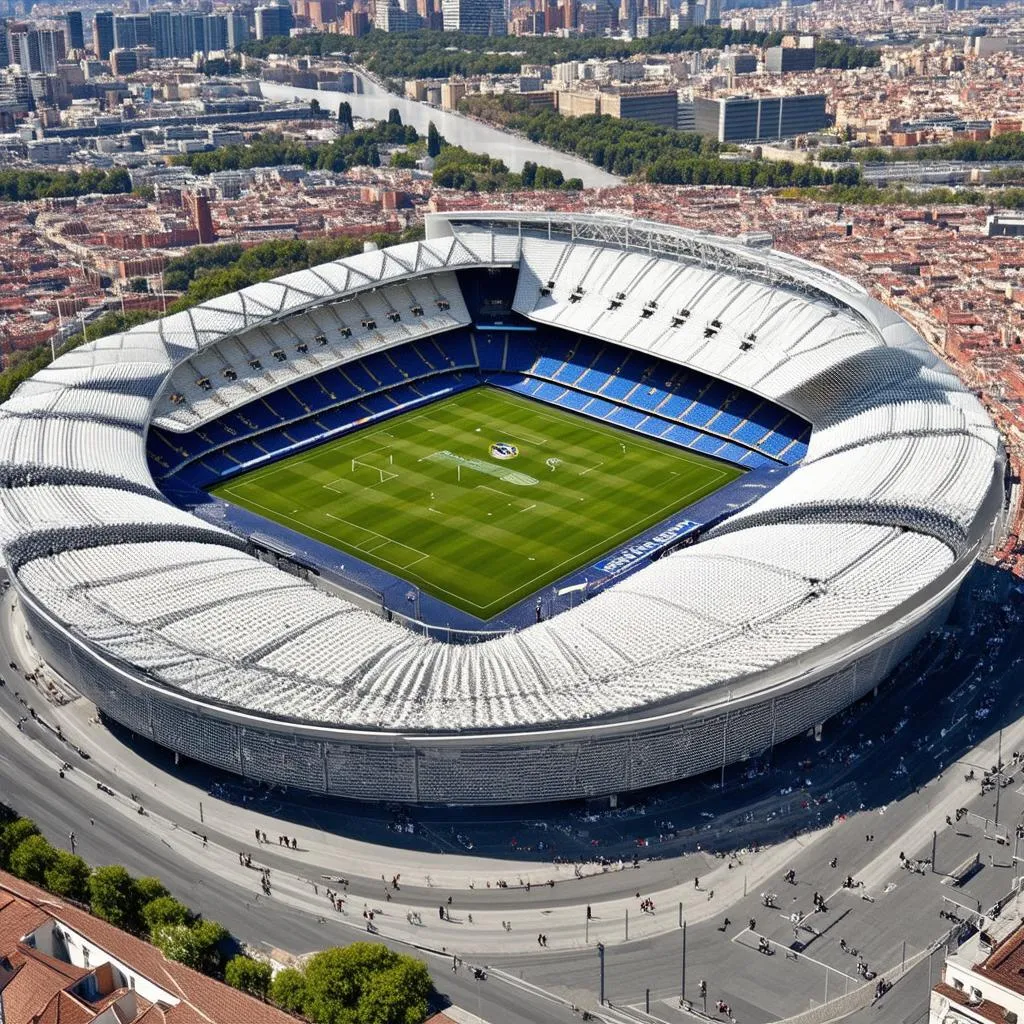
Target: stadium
{"x":543,"y":507}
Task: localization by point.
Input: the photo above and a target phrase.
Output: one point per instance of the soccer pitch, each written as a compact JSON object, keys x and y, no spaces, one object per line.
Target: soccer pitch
{"x":426,"y":496}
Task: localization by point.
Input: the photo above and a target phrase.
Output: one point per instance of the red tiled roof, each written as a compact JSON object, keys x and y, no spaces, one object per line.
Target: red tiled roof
{"x":986,"y":1009}
{"x":203,"y":1000}
{"x":1005,"y":964}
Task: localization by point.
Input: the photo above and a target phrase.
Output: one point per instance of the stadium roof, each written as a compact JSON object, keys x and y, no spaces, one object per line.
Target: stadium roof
{"x":900,"y":485}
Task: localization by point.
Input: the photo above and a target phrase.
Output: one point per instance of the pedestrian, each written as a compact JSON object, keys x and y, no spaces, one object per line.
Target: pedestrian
{"x":711,"y":895}
{"x":440,"y":912}
{"x":295,"y":843}
{"x":752,"y":925}
{"x":833,"y":862}
{"x":257,"y":831}
{"x":540,"y":939}
{"x":470,"y":918}
{"x":204,"y":840}
{"x":725,"y":924}
{"x":696,"y":883}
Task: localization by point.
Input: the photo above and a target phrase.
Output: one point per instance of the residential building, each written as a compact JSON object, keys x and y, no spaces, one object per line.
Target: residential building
{"x":983,"y":981}
{"x":59,"y":963}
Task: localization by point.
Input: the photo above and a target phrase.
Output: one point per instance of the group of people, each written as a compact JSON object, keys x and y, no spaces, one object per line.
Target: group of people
{"x":646,"y":905}
{"x":542,"y":939}
{"x":819,"y":903}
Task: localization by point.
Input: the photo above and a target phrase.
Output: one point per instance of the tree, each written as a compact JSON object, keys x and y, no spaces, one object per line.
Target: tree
{"x":149,"y":888}
{"x":165,"y":910}
{"x":248,"y":975}
{"x":17,"y":831}
{"x":196,"y":946}
{"x":68,"y":876}
{"x":139,"y":284}
{"x":288,"y":990}
{"x":335,"y":979}
{"x":31,"y":859}
{"x":394,"y":117}
{"x":433,"y":140}
{"x":399,"y":995}
{"x":345,"y":116}
{"x":314,"y":108}
{"x":529,"y":174}
{"x":114,"y":897}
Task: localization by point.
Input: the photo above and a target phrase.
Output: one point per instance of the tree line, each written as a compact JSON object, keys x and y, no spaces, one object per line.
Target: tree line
{"x":900,"y":195}
{"x":358,"y":148}
{"x":1003,"y":147}
{"x":657,"y":154}
{"x":20,"y":185}
{"x":365,"y":983}
{"x":432,"y":54}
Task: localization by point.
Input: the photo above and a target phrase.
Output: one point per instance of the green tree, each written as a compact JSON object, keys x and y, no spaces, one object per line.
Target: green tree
{"x":314,"y":108}
{"x":335,"y":979}
{"x":139,"y":284}
{"x":31,"y":859}
{"x":394,"y":117}
{"x":15,"y":833}
{"x":197,"y":946}
{"x":399,"y":995}
{"x":114,"y":897}
{"x":288,"y":989}
{"x":248,"y":975}
{"x":165,"y":910}
{"x":149,"y":888}
{"x":345,"y":116}
{"x":433,"y":140}
{"x":68,"y":876}
{"x":529,"y":174}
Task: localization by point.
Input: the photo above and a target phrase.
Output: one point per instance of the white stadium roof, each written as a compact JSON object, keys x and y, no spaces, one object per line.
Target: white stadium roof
{"x":897,"y":487}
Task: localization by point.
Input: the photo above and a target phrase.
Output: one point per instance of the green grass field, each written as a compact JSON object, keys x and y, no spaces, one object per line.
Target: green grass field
{"x":422,"y":496}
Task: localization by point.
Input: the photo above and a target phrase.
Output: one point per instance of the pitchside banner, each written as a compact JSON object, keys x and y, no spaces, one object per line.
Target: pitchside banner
{"x":662,"y":539}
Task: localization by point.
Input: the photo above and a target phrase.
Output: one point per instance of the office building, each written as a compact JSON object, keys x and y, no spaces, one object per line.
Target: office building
{"x":738,"y":63}
{"x":390,"y":17}
{"x":475,"y":17}
{"x":274,"y":20}
{"x":759,"y":118}
{"x":237,"y":27}
{"x":75,"y":30}
{"x":780,"y":59}
{"x":103,"y":34}
{"x":656,"y":106}
{"x":124,"y":62}
{"x":712,"y":12}
{"x":132,"y":30}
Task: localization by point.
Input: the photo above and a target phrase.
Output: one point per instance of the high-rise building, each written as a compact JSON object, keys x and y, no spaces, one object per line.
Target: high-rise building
{"x":36,"y":50}
{"x":712,"y":12}
{"x":132,"y":30}
{"x":273,"y":20}
{"x":475,"y":17}
{"x":124,"y":62}
{"x":75,"y":30}
{"x":103,"y":34}
{"x":216,"y":29}
{"x":237,"y":29}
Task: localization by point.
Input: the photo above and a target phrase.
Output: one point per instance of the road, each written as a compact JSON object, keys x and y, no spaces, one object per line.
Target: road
{"x":940,"y":718}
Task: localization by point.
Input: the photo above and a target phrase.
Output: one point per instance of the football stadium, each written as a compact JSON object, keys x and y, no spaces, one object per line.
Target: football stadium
{"x":543,"y":507}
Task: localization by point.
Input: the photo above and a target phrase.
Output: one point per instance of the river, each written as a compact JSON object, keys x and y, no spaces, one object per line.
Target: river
{"x":374,"y":102}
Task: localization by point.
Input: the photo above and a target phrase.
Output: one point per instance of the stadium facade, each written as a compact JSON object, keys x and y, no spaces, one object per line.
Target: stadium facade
{"x":780,"y":617}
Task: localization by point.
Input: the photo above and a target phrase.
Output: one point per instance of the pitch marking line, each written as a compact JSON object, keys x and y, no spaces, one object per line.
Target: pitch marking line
{"x":384,"y":539}
{"x":591,"y":469}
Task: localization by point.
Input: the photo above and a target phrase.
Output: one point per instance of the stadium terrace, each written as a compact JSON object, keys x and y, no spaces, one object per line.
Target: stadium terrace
{"x":841,"y":482}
